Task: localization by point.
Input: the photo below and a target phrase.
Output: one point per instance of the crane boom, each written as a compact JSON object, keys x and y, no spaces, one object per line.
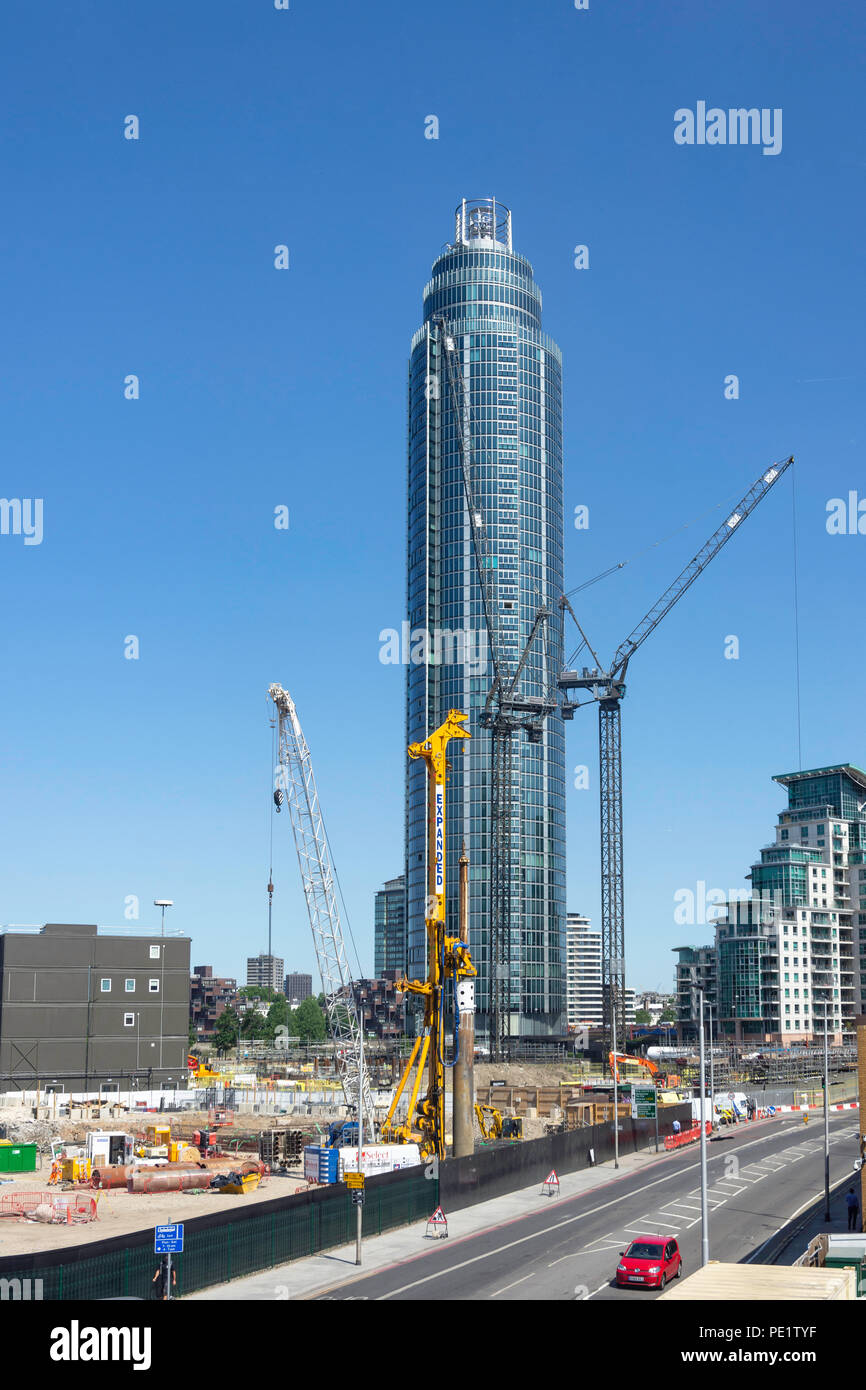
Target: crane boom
{"x":317,"y":877}
{"x":607,"y":688}
{"x":687,"y":576}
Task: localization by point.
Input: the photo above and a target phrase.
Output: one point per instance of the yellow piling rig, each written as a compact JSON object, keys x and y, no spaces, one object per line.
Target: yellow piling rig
{"x":448,"y":960}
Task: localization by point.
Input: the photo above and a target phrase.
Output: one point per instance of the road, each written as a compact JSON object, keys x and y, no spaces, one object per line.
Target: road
{"x":758,"y":1180}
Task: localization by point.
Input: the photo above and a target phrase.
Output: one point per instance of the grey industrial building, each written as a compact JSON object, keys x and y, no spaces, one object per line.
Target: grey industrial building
{"x":82,"y":1008}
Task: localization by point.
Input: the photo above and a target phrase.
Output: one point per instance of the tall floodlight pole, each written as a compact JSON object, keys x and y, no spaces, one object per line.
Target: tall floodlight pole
{"x":615,"y":1092}
{"x":705,"y":1229}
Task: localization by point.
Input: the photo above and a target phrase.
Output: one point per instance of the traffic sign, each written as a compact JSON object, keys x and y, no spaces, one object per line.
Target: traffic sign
{"x":168,"y":1240}
{"x":354,"y":1179}
{"x":438,"y":1218}
{"x":358,"y":1198}
{"x":643,"y":1102}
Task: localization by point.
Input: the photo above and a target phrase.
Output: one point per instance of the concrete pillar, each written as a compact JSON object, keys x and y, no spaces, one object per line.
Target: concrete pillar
{"x":464,"y":1069}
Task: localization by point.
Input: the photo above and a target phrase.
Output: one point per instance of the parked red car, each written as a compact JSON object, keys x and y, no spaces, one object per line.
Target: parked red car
{"x":649,"y":1262}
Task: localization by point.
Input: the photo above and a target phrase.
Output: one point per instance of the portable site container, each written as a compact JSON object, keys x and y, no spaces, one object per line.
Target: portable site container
{"x":320,"y":1164}
{"x":718,"y":1282}
{"x":17,"y":1158}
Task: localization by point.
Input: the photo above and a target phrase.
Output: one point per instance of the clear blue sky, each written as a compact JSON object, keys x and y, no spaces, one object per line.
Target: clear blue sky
{"x":261,"y":388}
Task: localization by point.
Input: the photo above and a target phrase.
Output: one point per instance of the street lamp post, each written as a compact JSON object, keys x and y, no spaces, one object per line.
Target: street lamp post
{"x":163,"y":903}
{"x":826,"y":1120}
{"x":712,"y":1071}
{"x":705,"y":1230}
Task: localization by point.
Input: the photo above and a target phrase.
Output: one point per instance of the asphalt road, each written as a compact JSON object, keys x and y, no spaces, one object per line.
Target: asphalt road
{"x":758,"y":1180}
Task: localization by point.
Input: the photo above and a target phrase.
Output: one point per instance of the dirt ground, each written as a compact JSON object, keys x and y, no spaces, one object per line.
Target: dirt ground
{"x":119,"y":1211}
{"x":530,"y":1073}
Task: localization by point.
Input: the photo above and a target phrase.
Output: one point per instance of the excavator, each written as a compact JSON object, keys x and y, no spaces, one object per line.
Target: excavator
{"x":498,"y":1126}
{"x":625,"y":1059}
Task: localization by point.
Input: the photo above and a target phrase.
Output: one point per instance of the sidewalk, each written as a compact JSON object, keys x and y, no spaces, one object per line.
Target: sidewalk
{"x":304,"y":1277}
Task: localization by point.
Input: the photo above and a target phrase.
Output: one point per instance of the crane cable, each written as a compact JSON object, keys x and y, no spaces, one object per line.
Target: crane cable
{"x":796,"y":617}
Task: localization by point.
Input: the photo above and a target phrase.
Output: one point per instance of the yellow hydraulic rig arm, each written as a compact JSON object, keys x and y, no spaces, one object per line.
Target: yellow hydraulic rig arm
{"x":448,"y":962}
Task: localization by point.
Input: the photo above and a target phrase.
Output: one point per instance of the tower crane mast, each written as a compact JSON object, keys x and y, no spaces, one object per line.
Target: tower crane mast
{"x":606,"y":686}
{"x":505,"y":711}
{"x":318,"y":879}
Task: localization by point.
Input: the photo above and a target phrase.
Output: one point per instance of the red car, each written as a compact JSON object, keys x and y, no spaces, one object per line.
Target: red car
{"x":649,"y":1262}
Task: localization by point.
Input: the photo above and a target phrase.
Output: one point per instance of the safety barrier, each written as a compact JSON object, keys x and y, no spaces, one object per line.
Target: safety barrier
{"x":51,"y":1207}
{"x":688,"y":1136}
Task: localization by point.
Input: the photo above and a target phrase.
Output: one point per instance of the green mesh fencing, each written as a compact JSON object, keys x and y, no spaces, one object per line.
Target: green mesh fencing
{"x":242,"y":1244}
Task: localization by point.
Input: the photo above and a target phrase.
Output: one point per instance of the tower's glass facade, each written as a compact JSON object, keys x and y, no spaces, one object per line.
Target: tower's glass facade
{"x":512,"y":379}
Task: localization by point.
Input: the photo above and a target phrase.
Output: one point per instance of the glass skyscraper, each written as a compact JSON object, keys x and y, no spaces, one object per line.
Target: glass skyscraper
{"x":484,"y":297}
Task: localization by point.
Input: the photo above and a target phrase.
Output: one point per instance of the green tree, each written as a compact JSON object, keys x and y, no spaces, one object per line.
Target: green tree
{"x":279,"y":1015}
{"x":193,"y":1035}
{"x":641,"y":1016}
{"x":226,"y":1031}
{"x":308,"y":1022}
{"x":668,"y":1016}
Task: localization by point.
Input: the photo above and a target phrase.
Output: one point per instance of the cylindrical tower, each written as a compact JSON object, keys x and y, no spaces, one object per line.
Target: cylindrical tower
{"x":512,"y":375}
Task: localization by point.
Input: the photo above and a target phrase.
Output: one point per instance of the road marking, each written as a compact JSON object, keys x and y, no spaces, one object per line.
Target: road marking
{"x":595,"y":1291}
{"x":546,"y":1230}
{"x":514,"y":1285}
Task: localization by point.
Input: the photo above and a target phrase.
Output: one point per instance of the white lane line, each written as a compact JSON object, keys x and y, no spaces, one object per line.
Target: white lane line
{"x":547,"y":1230}
{"x":573,"y":1254}
{"x":595,"y":1291}
{"x":512,"y":1286}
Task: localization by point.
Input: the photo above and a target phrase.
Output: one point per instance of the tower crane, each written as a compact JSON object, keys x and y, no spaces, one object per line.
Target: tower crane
{"x":505,"y":710}
{"x":448,"y":960}
{"x":606,"y":686}
{"x":317,"y":876}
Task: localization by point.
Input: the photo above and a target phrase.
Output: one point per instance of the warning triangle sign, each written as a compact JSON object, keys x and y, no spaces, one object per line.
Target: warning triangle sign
{"x":438,"y":1218}
{"x":551,"y":1178}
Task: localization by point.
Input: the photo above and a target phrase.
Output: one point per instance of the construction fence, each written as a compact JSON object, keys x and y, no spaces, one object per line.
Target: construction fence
{"x":508,"y":1166}
{"x":224,"y":1246}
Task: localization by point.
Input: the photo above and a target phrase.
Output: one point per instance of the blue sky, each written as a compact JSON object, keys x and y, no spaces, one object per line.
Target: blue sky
{"x":262,"y":388}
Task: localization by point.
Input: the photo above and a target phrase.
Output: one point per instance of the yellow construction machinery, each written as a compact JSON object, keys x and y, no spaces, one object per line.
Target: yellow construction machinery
{"x":448,"y":963}
{"x":497,"y":1127}
{"x":625,"y":1059}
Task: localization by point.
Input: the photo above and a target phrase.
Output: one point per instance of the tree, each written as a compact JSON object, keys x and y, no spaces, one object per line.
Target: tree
{"x":642,"y":1016}
{"x":226,"y":1031}
{"x":308,"y":1022}
{"x":668,"y":1014}
{"x":279,"y":1016}
{"x":193,"y":1035}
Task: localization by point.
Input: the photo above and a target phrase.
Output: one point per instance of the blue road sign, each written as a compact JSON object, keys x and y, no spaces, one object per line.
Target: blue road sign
{"x":168,"y":1240}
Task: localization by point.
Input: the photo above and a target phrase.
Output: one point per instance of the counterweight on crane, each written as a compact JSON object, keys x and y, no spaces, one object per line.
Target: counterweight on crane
{"x":448,"y":962}
{"x":317,"y":875}
{"x":607,"y":688}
